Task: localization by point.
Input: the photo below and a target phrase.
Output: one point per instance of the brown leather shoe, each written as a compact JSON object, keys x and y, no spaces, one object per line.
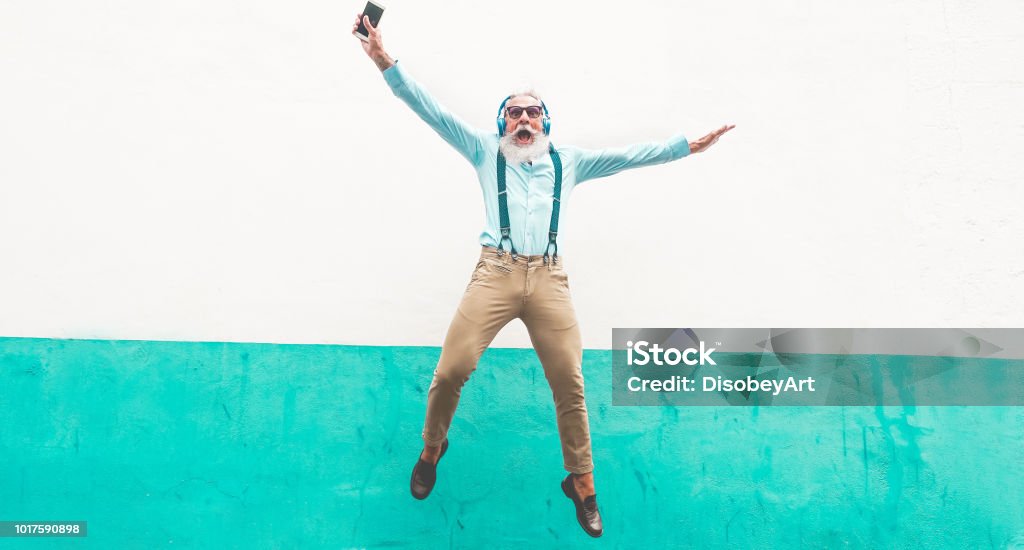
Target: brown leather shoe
{"x":424,"y":475}
{"x":586,"y":509}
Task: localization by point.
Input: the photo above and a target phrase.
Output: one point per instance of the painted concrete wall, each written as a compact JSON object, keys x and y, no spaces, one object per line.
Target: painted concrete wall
{"x":207,"y":445}
{"x":214,"y":170}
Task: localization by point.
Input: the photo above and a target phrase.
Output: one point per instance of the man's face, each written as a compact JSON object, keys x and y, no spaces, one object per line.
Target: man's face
{"x":524,"y":129}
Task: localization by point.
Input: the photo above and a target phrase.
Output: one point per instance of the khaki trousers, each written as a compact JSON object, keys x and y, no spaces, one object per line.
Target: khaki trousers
{"x":501,"y":290}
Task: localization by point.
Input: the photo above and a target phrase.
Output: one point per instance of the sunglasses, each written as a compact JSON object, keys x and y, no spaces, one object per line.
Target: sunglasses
{"x":532,"y":111}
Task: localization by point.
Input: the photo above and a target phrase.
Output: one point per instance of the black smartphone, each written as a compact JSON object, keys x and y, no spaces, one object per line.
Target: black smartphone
{"x":374,"y":11}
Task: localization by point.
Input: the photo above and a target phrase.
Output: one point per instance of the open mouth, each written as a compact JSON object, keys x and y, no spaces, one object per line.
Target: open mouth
{"x":524,"y":136}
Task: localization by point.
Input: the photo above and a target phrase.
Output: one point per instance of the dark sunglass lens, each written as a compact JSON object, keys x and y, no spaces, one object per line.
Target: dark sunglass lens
{"x":534,"y":112}
{"x":515,"y":112}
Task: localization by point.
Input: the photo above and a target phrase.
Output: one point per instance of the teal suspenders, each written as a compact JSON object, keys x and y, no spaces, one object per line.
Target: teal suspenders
{"x":555,"y":204}
{"x":503,"y":209}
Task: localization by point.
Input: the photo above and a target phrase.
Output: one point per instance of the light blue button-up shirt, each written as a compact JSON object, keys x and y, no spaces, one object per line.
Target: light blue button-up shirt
{"x":530,"y":187}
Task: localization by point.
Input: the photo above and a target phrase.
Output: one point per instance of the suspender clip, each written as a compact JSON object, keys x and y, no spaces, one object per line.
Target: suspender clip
{"x":505,"y":234}
{"x":551,"y":243}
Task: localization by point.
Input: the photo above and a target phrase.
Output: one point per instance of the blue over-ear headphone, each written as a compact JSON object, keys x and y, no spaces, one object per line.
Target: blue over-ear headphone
{"x":501,"y":118}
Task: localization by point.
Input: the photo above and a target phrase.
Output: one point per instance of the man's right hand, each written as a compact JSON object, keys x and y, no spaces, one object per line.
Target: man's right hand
{"x":374,"y":48}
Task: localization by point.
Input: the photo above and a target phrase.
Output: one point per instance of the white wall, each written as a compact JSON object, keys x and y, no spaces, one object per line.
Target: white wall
{"x":240,"y":171}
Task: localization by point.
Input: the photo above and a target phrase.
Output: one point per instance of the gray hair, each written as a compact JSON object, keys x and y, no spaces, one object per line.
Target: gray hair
{"x":528,"y":91}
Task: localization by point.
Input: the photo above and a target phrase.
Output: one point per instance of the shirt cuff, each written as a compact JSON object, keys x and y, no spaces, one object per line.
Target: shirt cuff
{"x":679,"y":146}
{"x":395,"y":76}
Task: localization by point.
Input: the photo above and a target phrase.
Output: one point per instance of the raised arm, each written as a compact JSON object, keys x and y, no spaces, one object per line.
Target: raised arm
{"x":460,"y":135}
{"x":598,"y":164}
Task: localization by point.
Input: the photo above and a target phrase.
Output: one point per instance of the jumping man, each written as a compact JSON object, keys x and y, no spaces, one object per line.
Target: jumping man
{"x":519,"y":274}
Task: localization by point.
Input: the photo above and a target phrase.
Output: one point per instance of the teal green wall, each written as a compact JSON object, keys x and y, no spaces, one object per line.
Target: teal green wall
{"x":181,"y":444}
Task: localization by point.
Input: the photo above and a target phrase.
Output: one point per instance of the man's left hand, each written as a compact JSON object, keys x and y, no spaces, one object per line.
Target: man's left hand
{"x":700,"y":145}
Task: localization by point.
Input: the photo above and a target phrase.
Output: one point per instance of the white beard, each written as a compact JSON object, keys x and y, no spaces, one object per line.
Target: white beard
{"x":516,"y":154}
